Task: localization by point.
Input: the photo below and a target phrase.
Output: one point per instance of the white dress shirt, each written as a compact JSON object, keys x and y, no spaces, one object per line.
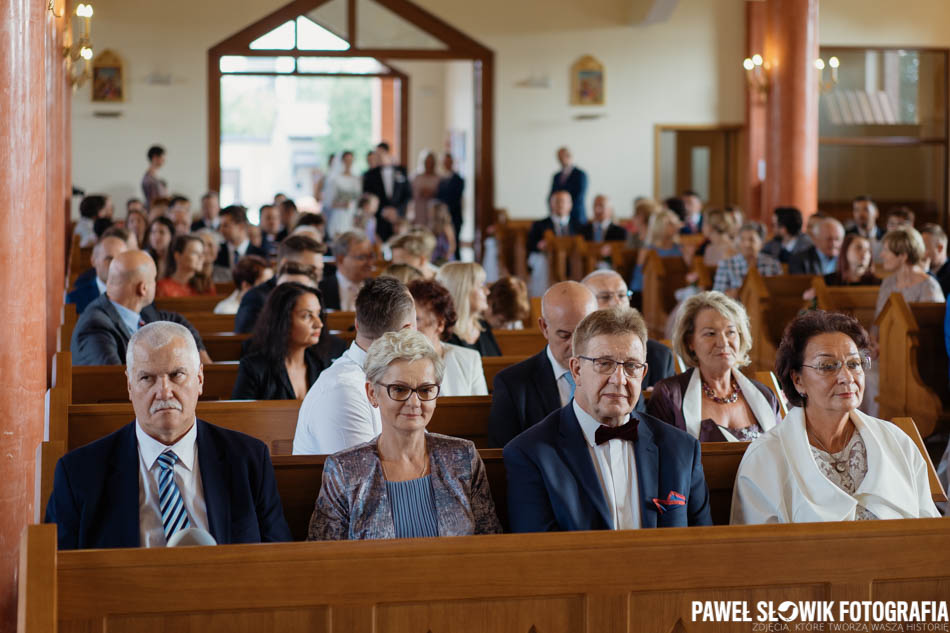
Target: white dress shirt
{"x":101,"y":285}
{"x":616,"y":464}
{"x":348,"y":292}
{"x":464,"y":375}
{"x":388,"y":175}
{"x":187,"y":476}
{"x":563,"y":384}
{"x":336,"y":414}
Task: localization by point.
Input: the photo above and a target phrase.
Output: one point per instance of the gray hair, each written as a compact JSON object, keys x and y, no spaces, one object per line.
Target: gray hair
{"x":753,"y":227}
{"x":159,"y":334}
{"x":600,"y":272}
{"x":408,"y":345}
{"x":345,"y":241}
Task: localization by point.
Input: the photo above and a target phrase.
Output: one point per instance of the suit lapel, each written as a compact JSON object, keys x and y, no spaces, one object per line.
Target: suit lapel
{"x":573,"y":448}
{"x":123,"y":482}
{"x":647,"y":474}
{"x":216,"y":485}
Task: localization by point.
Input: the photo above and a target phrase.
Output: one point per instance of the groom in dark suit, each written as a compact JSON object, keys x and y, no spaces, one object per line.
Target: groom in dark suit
{"x":388,"y":182}
{"x":167,"y":470}
{"x":596,"y":464}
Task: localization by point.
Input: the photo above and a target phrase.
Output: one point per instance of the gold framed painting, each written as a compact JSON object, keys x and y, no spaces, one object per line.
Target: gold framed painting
{"x":587,"y":82}
{"x":107,"y":78}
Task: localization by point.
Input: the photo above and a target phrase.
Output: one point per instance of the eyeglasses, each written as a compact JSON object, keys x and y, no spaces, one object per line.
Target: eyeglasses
{"x":604,"y":297}
{"x":401,"y":393}
{"x":607,"y":366}
{"x":368,"y":257}
{"x":832,"y":367}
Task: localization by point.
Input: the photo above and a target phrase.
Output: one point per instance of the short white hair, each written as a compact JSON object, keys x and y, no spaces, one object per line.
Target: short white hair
{"x":600,"y":272}
{"x":159,"y":334}
{"x":408,"y":345}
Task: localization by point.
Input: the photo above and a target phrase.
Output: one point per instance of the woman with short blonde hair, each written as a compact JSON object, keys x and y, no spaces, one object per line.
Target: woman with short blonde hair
{"x":713,"y":401}
{"x":465,"y":281}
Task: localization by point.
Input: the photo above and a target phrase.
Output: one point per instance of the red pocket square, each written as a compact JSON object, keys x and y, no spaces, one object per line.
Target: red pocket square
{"x":672,"y":499}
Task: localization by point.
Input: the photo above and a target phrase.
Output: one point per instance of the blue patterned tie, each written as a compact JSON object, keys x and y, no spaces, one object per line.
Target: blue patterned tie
{"x":570,"y":381}
{"x":174,"y":514}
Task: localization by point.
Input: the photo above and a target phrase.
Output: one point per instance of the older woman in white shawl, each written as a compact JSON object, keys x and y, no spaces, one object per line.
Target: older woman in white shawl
{"x":828,"y":461}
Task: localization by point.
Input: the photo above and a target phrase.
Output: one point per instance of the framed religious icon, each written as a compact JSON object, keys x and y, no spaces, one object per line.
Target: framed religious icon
{"x":107,"y":79}
{"x":587,"y":82}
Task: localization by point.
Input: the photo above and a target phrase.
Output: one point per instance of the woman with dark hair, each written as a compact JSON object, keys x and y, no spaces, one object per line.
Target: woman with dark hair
{"x":435,"y":316}
{"x":828,"y":461}
{"x":158,"y":240}
{"x":136,"y":222}
{"x":183,"y":276}
{"x":250,"y":271}
{"x":508,"y":304}
{"x":854,"y":264}
{"x":282,"y":362}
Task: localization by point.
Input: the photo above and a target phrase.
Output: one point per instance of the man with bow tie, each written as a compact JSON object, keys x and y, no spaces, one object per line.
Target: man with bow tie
{"x":596,"y":464}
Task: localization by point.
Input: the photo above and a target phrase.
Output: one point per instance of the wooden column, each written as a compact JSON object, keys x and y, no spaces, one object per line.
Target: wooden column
{"x":23,"y":220}
{"x":756,"y":121}
{"x":791,"y":47}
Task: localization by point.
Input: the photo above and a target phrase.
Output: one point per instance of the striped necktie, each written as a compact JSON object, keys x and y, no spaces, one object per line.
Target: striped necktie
{"x":174,"y":514}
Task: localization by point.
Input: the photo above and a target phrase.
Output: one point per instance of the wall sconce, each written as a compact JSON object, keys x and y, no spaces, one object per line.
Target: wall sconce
{"x":827,"y":86}
{"x":757,"y":75}
{"x":79,"y":54}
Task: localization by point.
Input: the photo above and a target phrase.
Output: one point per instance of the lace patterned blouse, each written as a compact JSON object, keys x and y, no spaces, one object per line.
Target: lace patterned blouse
{"x":746,"y":433}
{"x":846,"y":469}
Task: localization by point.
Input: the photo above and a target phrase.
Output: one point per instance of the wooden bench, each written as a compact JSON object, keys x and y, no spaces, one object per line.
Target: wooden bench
{"x":565,"y":257}
{"x":224,"y":346}
{"x":662,"y":277}
{"x":857,"y":301}
{"x":187,"y":305}
{"x":913,"y":363}
{"x":603,"y":582}
{"x":526,"y":342}
{"x":512,"y":238}
{"x":771,"y":303}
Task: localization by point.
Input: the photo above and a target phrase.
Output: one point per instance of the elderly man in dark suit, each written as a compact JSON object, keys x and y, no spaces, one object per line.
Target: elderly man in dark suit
{"x":822,"y":257}
{"x":559,"y":222}
{"x":596,"y":464}
{"x":611,"y":291}
{"x":389,"y":183}
{"x":102,"y":334}
{"x":95,"y":284}
{"x":574,"y":181}
{"x":526,"y":392}
{"x":602,"y":228}
{"x":166,"y":471}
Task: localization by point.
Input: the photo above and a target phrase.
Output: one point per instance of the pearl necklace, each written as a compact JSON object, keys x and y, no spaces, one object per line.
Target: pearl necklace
{"x":732,"y":397}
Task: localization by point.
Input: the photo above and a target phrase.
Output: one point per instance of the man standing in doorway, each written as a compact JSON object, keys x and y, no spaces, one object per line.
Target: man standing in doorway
{"x":574,"y":181}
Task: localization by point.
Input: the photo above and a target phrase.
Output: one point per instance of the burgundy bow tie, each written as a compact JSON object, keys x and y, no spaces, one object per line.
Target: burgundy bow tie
{"x":626,"y":431}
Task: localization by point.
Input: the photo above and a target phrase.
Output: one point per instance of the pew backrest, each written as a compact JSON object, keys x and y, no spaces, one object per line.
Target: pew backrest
{"x":857,"y":301}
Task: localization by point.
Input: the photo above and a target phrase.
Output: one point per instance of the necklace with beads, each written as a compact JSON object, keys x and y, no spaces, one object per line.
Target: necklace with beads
{"x":732,"y":397}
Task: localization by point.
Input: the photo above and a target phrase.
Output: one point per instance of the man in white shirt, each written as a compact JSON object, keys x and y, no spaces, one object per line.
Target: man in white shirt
{"x":596,"y":464}
{"x":167,"y":471}
{"x":336,"y":413}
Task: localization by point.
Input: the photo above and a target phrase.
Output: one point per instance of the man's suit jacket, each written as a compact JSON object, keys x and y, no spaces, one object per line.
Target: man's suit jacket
{"x":84,"y":293}
{"x":805,"y":262}
{"x":526,"y":392}
{"x":576,"y":185}
{"x":553,"y":485}
{"x":614,"y":233}
{"x":95,"y":500}
{"x":536,"y":232}
{"x":224,"y":255}
{"x":450,"y":192}
{"x":330,"y":289}
{"x":251,"y":305}
{"x":774,"y":248}
{"x":402,"y":194}
{"x":100,"y":337}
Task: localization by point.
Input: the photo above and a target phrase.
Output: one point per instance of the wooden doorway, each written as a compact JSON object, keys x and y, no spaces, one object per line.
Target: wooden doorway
{"x":704,"y":159}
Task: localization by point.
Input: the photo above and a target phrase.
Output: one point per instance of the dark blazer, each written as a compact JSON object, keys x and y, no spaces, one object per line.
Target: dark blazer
{"x":200,"y":223}
{"x":522,"y":395}
{"x":485,"y":344}
{"x":402,"y":194}
{"x":224,"y":255}
{"x":553,"y":485}
{"x":805,"y":262}
{"x":659,"y":367}
{"x":330,"y":289}
{"x":576,"y":185}
{"x":101,"y":338}
{"x":258,"y":379}
{"x":251,"y":305}
{"x":775,"y":248}
{"x":666,"y":404}
{"x":942,"y":275}
{"x":85,"y":293}
{"x":536,"y":232}
{"x":614,"y":233}
{"x":95,"y":500}
{"x":450,"y":192}
{"x":85,"y":276}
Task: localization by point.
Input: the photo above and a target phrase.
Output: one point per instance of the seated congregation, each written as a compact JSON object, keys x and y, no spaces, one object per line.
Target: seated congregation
{"x":603,"y":425}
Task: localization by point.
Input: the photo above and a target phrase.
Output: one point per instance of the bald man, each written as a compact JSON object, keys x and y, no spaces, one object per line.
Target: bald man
{"x":102,"y":255}
{"x":102,"y":333}
{"x":822,"y":258}
{"x":525,"y":393}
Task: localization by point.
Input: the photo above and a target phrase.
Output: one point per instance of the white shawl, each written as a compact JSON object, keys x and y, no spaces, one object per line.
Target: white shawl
{"x":693,"y":405}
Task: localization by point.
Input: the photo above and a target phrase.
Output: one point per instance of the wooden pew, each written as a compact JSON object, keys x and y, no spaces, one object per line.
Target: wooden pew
{"x":770,"y":380}
{"x":771,"y":303}
{"x":662,"y":276}
{"x":187,"y":305}
{"x":526,"y":342}
{"x":65,"y":329}
{"x":491,"y":365}
{"x":80,"y":260}
{"x":913,"y":363}
{"x":512,"y":237}
{"x":857,"y":301}
{"x":564,"y":256}
{"x":592,"y":255}
{"x":224,"y":346}
{"x":340,"y":320}
{"x":532,"y":322}
{"x":509,"y":583}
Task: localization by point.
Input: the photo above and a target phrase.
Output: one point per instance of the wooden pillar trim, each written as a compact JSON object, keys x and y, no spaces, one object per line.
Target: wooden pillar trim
{"x":756,"y":122}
